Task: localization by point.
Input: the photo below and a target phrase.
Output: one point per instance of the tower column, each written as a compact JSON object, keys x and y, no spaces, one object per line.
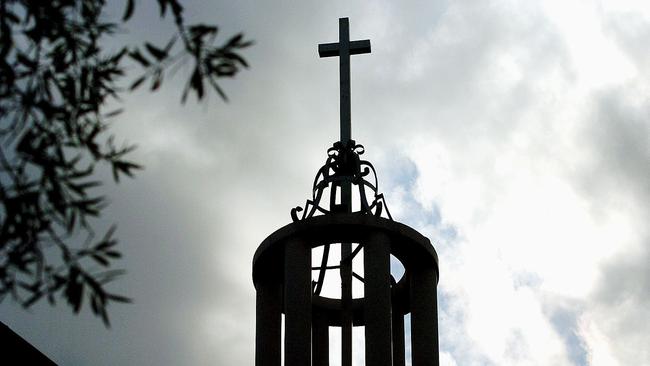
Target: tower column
{"x":424,"y":316}
{"x":268,"y":330}
{"x":320,"y":340}
{"x":398,"y":339}
{"x":297,"y":303}
{"x":377,"y":304}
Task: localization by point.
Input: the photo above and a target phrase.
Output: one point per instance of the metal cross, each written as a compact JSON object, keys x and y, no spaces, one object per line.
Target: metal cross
{"x":344,"y":49}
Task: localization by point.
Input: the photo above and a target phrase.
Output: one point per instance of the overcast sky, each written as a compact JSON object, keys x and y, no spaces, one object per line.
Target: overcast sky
{"x":515,"y":135}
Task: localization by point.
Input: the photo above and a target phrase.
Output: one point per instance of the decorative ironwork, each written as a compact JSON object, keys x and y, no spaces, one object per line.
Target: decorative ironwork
{"x":344,"y":165}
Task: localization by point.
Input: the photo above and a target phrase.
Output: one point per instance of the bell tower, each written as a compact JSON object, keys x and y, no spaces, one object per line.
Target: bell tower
{"x":346,"y":210}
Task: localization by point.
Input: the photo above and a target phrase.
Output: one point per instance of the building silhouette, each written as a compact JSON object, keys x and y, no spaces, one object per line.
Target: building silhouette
{"x":346,"y":210}
{"x":17,"y":351}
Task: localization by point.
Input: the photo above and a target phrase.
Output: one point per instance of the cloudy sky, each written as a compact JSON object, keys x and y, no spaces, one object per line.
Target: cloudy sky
{"x":515,"y":135}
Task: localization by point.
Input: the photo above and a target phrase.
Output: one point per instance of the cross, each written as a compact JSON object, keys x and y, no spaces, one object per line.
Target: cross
{"x":344,"y":49}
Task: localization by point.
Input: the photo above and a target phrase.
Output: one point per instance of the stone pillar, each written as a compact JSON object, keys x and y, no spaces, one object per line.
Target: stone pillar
{"x":268,"y":331}
{"x":377,"y":302}
{"x":424,"y":316}
{"x":297,"y":302}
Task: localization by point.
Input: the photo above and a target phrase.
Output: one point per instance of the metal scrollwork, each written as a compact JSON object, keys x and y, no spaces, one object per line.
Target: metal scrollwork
{"x":344,"y":164}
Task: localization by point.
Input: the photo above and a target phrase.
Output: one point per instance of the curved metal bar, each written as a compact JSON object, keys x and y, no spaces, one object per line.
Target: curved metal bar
{"x":323,"y":268}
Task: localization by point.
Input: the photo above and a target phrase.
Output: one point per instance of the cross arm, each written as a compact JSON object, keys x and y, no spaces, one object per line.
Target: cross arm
{"x":328,"y":49}
{"x":332,"y":49}
{"x":359,"y":47}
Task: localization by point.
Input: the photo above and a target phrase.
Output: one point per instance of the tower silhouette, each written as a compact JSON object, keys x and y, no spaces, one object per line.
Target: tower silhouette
{"x":346,"y":209}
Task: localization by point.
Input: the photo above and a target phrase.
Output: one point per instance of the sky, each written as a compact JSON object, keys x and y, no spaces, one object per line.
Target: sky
{"x":514,"y":135}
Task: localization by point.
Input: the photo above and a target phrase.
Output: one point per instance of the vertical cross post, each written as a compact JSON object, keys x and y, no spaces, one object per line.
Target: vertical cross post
{"x":344,"y":49}
{"x":344,"y":79}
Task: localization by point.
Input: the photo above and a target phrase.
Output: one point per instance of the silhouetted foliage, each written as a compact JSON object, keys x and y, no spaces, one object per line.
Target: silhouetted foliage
{"x":55,"y":82}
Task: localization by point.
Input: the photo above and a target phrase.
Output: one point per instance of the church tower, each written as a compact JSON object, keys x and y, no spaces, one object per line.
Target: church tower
{"x":348,"y":211}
